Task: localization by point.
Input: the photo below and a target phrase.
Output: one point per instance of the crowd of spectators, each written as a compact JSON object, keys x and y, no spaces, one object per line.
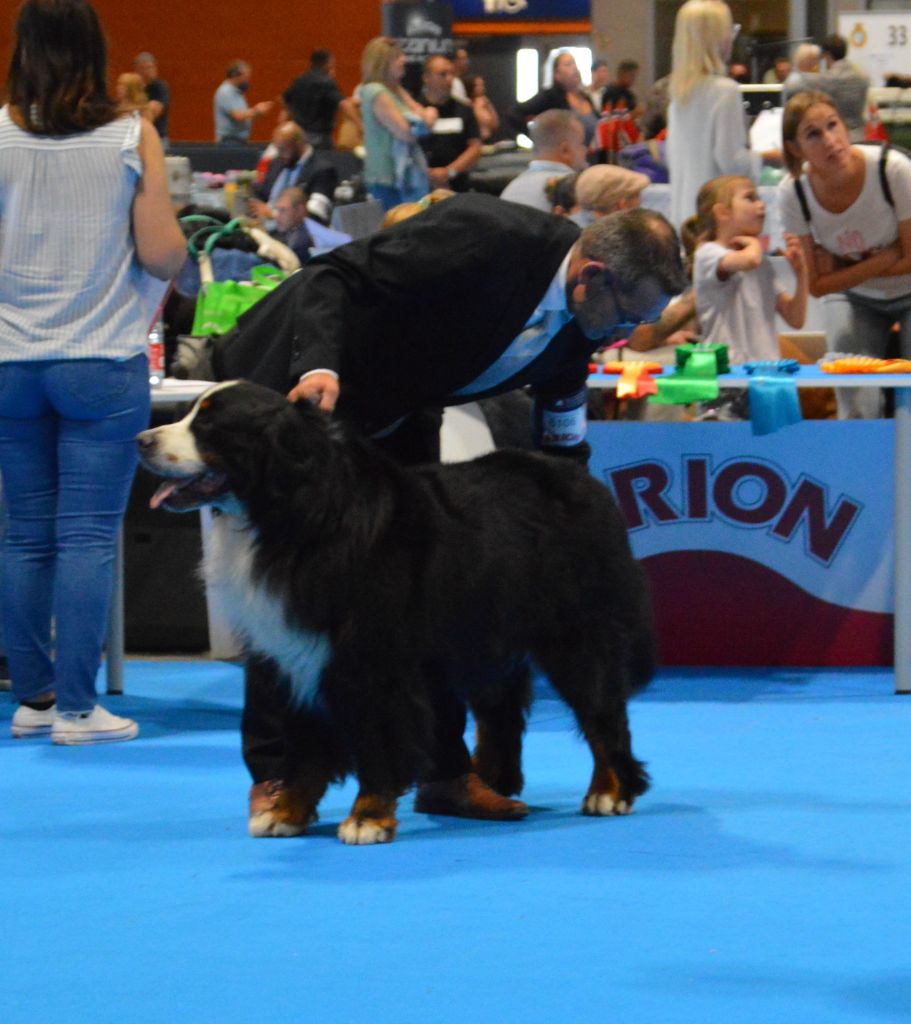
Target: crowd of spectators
{"x":688,"y":128}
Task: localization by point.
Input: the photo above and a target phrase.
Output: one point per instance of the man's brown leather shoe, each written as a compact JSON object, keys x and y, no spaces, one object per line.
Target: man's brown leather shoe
{"x":467,"y":796}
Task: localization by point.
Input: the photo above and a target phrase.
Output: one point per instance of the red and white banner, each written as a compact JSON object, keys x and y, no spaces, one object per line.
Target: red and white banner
{"x":772,"y":550}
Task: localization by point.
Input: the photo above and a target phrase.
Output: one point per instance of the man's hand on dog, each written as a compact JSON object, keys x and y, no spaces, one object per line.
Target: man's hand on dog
{"x":321,"y":389}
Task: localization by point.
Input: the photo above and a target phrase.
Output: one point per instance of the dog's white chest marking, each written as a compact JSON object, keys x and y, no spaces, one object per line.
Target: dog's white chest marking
{"x":254,"y":614}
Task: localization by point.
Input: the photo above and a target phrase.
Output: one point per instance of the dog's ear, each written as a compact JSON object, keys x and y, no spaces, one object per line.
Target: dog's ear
{"x":299,"y":433}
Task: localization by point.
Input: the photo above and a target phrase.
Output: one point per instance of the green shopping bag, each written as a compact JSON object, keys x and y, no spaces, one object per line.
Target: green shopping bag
{"x":220,"y":303}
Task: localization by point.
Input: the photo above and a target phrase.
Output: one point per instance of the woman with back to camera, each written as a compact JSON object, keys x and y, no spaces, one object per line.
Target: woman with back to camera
{"x":706,"y":130}
{"x":84,"y":206}
{"x":855,"y":230}
{"x":390,"y":114}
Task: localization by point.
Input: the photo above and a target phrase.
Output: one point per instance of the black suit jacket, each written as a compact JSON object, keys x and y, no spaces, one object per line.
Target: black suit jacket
{"x":410,"y":315}
{"x":316,"y":174}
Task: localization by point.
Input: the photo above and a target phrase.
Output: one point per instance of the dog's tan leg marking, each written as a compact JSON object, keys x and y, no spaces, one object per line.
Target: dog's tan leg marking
{"x":372,"y":820}
{"x":467,"y":796}
{"x":604,"y":797}
{"x":288,"y":812}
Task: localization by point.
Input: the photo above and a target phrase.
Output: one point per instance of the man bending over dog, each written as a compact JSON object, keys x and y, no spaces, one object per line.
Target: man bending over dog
{"x":474,"y":297}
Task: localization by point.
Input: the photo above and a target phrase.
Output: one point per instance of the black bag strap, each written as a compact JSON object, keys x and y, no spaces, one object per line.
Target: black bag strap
{"x":883,"y":180}
{"x":802,"y":199}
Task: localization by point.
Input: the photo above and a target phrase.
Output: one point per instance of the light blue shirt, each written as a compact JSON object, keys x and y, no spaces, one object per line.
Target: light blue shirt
{"x":527,"y":188}
{"x":69,"y":278}
{"x":550,"y":316}
{"x":229,"y":98}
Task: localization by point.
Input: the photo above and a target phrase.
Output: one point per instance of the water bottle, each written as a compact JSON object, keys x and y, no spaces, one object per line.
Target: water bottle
{"x":156,"y":355}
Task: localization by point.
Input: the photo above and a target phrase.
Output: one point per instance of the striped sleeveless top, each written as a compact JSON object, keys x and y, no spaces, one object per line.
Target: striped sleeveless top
{"x":68,"y":268}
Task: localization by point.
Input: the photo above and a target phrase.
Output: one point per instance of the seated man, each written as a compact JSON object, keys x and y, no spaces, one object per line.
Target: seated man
{"x":290,"y":211}
{"x":559,"y":141}
{"x":303,"y":235}
{"x":295,"y":163}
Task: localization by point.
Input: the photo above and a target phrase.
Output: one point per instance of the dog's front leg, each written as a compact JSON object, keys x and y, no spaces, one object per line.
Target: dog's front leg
{"x":372,"y":820}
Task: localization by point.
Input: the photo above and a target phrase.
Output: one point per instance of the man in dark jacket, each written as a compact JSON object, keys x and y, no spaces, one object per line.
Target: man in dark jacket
{"x":296,"y":164}
{"x":312,"y":99}
{"x":473,"y":297}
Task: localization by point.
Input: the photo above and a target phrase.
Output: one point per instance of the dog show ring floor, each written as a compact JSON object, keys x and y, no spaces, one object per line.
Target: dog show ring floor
{"x":764,"y":878}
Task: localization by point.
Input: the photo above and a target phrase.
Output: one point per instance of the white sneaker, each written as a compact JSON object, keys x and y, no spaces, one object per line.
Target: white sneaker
{"x":30,"y":722}
{"x":95,"y":726}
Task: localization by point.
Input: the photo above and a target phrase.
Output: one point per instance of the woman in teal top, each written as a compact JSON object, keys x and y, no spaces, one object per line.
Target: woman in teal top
{"x":389,"y":114}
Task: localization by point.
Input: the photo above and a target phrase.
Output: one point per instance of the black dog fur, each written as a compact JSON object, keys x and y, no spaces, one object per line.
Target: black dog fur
{"x":404,"y":586}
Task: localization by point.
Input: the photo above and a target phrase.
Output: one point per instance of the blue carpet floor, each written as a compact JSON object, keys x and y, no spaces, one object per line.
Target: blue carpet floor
{"x":765,"y":878}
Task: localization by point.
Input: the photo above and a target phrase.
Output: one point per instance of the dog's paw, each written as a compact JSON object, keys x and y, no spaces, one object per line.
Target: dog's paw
{"x":603,"y":805}
{"x":268,"y":825}
{"x":367,"y":831}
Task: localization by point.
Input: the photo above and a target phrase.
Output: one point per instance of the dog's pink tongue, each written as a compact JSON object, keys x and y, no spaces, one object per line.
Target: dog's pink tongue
{"x":168,"y":487}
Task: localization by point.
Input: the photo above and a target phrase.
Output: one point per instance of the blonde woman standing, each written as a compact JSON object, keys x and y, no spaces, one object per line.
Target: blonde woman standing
{"x":389,"y":114}
{"x":706,"y":133}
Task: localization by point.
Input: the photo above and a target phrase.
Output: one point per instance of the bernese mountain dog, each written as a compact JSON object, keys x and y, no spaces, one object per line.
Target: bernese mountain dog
{"x":382,"y":591}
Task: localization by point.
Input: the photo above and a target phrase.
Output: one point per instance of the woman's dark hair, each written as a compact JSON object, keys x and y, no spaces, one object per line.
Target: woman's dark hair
{"x":57,"y":75}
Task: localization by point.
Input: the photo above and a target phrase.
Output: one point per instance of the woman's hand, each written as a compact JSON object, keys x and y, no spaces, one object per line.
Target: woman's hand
{"x":793,"y":253}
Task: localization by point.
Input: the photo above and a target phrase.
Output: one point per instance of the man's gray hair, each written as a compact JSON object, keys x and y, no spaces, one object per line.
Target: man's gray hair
{"x":553,"y":127}
{"x":144,"y":58}
{"x":634,"y":244}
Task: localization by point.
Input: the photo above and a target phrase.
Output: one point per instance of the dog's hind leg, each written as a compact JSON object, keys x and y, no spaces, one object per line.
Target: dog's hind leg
{"x":500,"y":725}
{"x":617,"y":778}
{"x":599,"y":704}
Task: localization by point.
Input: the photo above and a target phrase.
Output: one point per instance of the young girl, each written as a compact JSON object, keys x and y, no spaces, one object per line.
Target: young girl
{"x":737,"y":294}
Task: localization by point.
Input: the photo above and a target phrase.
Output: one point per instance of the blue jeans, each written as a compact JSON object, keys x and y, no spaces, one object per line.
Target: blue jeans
{"x":67,"y":456}
{"x":387,"y":195}
{"x":860,"y":325}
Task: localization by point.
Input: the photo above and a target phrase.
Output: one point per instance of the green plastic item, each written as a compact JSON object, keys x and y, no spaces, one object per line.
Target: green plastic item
{"x":220,"y":303}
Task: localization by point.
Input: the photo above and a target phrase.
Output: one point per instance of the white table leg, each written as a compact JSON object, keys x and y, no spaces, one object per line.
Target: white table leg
{"x":114,"y":661}
{"x":903,"y":540}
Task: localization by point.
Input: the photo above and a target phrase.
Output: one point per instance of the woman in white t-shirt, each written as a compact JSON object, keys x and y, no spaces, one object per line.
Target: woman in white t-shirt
{"x":854,"y":224}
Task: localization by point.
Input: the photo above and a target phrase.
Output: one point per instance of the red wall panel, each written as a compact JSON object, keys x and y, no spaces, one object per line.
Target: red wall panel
{"x":194,"y":40}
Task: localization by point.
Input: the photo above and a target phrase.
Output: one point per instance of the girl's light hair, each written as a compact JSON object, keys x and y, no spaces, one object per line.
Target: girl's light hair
{"x":700,"y":31}
{"x":377,"y":56}
{"x":794,"y":113}
{"x":134,"y":94}
{"x":702,"y":226}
